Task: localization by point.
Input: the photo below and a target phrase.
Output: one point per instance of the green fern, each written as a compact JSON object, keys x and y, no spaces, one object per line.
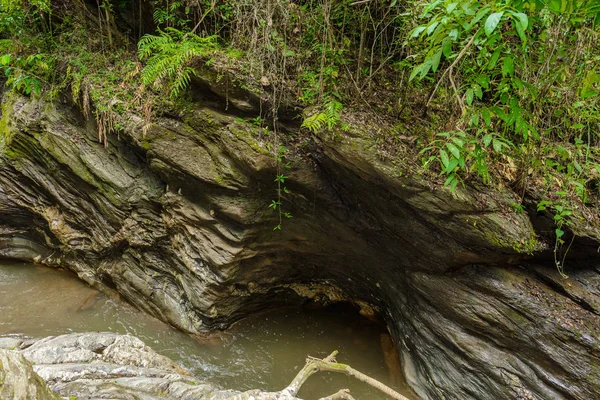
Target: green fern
{"x":315,"y":122}
{"x":168,"y":57}
{"x":332,"y":110}
{"x":329,"y":117}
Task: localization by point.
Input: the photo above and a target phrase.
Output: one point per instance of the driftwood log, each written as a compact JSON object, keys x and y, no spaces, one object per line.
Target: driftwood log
{"x":312,"y":366}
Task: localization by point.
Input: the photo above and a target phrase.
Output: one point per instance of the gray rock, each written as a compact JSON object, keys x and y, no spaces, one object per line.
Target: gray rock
{"x":10,"y":343}
{"x":99,"y":348}
{"x":102,"y":366}
{"x":18,"y":381}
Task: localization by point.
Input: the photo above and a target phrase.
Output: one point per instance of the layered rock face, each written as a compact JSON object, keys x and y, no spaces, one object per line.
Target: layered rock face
{"x":177,"y":221}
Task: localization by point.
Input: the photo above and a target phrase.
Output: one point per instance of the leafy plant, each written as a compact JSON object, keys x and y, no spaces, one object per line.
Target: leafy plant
{"x":329,"y":117}
{"x":168,"y":57}
{"x":24,"y":74}
{"x":280,"y":179}
{"x":561,"y":214}
{"x":506,"y":62}
{"x":168,"y":16}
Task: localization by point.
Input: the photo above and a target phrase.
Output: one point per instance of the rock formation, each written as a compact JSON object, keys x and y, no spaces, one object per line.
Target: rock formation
{"x":177,"y":222}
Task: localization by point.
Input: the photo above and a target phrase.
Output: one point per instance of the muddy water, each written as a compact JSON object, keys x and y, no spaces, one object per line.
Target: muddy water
{"x":260,"y":352}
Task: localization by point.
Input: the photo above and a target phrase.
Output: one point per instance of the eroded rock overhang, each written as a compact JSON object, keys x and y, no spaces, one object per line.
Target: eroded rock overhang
{"x":177,"y":221}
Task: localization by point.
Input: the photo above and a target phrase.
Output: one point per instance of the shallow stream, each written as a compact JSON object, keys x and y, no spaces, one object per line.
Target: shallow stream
{"x":261,"y":352}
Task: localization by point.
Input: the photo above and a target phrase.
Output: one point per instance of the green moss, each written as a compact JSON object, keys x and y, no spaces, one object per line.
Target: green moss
{"x":6,"y":134}
{"x":244,"y":132}
{"x":528,"y":246}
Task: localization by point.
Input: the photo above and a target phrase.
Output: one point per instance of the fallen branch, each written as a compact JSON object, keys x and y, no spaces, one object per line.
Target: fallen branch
{"x":314,"y":365}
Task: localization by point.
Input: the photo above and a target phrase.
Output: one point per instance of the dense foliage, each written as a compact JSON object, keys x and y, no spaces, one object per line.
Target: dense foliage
{"x":506,"y":92}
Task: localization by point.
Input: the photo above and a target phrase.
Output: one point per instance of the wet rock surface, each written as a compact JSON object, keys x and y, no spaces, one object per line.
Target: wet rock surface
{"x":100,"y":366}
{"x":177,"y":222}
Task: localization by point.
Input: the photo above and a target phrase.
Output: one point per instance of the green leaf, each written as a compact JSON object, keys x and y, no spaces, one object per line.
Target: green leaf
{"x":534,"y":132}
{"x":431,"y":28}
{"x":508,"y":66}
{"x":483,"y":80}
{"x":494,"y":58}
{"x":453,"y":184}
{"x":518,"y":83}
{"x":484,"y":10}
{"x":420,"y":70}
{"x":474,"y":121}
{"x":435,"y":60}
{"x":425,"y":70}
{"x":559,"y":233}
{"x":521,"y":125}
{"x":459,"y":142}
{"x":522,"y":19}
{"x":5,"y":59}
{"x":485,"y":114}
{"x":497,"y":145}
{"x":431,"y":6}
{"x":492,"y":22}
{"x":520,"y":32}
{"x":453,"y":150}
{"x":556,"y":5}
{"x":417,"y":31}
{"x":469,"y":96}
{"x":451,"y":165}
{"x":444,"y":158}
{"x":487,"y":139}
{"x":447,"y":47}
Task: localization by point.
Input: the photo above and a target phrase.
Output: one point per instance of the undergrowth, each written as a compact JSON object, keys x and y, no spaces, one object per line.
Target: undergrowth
{"x":501,"y":93}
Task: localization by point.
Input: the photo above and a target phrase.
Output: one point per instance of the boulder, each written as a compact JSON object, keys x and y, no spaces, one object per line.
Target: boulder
{"x":18,"y":381}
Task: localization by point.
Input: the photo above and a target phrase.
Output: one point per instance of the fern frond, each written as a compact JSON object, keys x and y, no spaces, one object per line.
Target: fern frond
{"x":181,"y":82}
{"x":333,"y":108}
{"x":315,"y":122}
{"x":168,"y":56}
{"x":329,"y":117}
